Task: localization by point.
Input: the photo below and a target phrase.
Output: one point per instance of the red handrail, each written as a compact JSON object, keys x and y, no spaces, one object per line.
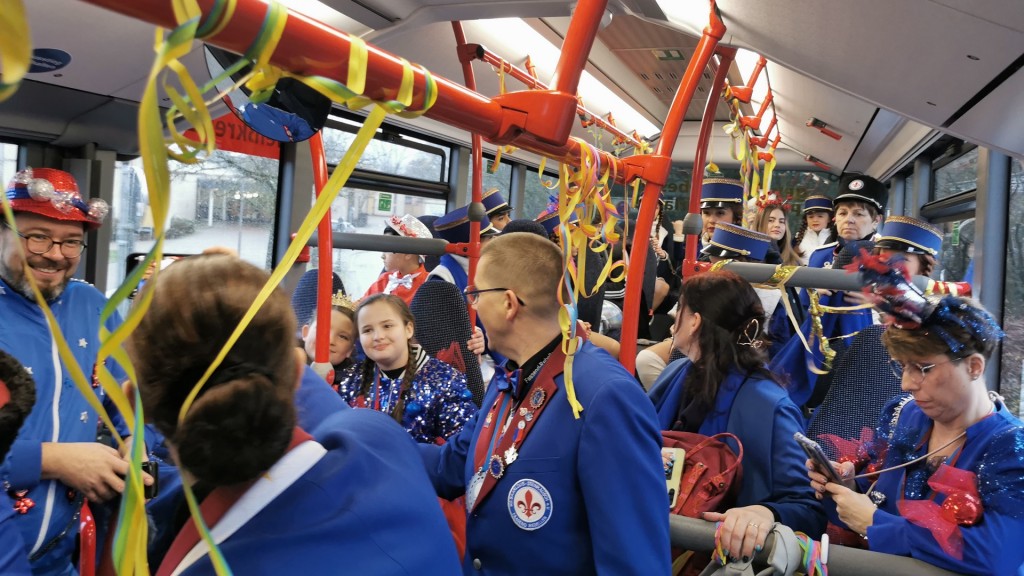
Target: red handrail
{"x":725,"y":59}
{"x":649,"y":205}
{"x":478,"y":173}
{"x":325,"y":269}
{"x":524,"y":119}
{"x":478,"y":52}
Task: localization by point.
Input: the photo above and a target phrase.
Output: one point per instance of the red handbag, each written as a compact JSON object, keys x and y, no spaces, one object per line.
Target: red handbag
{"x":712,"y":472}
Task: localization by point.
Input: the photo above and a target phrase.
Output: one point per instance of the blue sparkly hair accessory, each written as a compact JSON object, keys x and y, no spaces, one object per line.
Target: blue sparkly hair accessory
{"x":888,"y":285}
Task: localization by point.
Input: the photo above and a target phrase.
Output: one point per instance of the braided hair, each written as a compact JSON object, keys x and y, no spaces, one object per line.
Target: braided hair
{"x":368,"y":368}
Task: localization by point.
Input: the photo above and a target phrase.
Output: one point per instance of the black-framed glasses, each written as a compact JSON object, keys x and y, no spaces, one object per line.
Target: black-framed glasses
{"x":473,"y":294}
{"x":40,"y":244}
{"x":917,"y":371}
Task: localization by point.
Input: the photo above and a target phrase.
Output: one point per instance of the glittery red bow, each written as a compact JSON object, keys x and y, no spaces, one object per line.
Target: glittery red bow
{"x":962,"y":507}
{"x":855,"y":451}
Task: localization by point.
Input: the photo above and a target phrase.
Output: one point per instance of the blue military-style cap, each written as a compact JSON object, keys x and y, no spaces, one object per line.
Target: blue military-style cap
{"x":720,"y":193}
{"x":861,"y":188}
{"x":817,"y":203}
{"x":549,"y":219}
{"x":494,"y":202}
{"x":910,"y":235}
{"x":732,"y":241}
{"x":454,"y":226}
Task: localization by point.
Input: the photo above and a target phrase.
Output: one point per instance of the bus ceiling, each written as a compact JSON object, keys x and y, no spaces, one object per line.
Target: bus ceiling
{"x":883,"y":76}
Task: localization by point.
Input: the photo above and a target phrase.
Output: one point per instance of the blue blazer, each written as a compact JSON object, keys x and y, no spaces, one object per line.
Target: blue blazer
{"x":764,"y":418}
{"x":365,"y":508}
{"x":994,"y":450}
{"x":603,"y":474}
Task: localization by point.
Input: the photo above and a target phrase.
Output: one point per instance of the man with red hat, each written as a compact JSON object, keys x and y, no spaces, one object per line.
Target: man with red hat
{"x":55,"y":463}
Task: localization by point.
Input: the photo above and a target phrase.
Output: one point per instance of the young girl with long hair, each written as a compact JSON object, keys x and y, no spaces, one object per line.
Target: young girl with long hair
{"x":816,"y":227}
{"x":426,"y":396}
{"x":771,"y":220}
{"x":342,"y":335}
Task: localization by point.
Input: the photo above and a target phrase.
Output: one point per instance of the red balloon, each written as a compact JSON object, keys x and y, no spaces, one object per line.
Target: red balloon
{"x":962,"y":508}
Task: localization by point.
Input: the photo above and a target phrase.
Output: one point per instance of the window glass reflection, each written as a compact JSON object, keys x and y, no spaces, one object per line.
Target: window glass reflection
{"x":228,"y":200}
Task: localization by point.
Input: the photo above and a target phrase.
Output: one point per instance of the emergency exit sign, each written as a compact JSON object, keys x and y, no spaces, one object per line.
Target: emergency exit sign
{"x":384,"y":202}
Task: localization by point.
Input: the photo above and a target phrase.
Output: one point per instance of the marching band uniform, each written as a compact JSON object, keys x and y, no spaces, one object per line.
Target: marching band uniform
{"x":773,"y":471}
{"x":454,"y":227}
{"x":439,"y":403}
{"x":718,"y":193}
{"x":993,"y":450}
{"x":402,"y":285}
{"x":733,"y":242}
{"x":495,"y":205}
{"x":812,"y":240}
{"x":551,"y":494}
{"x":349,"y":499}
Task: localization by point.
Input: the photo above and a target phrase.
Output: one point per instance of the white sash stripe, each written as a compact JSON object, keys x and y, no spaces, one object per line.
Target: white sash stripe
{"x":281,"y":475}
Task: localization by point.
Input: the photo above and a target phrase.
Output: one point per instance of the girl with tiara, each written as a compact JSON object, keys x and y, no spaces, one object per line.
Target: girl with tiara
{"x":342,"y":335}
{"x":816,"y":227}
{"x":426,"y":396}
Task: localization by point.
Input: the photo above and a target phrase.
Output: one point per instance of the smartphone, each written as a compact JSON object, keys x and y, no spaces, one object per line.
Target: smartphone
{"x":673,"y":460}
{"x":817,"y":455}
{"x":151,"y":468}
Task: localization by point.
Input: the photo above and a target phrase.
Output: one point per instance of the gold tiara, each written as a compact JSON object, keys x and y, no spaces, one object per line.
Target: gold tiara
{"x":340,"y":299}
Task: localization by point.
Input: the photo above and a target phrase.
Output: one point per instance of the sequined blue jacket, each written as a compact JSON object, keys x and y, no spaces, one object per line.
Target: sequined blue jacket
{"x":438,"y":405}
{"x":61,"y":413}
{"x":994,"y":450}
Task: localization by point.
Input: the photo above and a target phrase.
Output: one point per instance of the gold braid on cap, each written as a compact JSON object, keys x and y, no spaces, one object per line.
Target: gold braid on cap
{"x":343,"y":301}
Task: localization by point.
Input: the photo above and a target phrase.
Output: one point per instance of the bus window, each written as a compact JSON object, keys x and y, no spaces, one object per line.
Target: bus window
{"x":1013,"y":295}
{"x":956,"y":257}
{"x":228,"y":200}
{"x":501,"y":179}
{"x":960,"y":175}
{"x":8,"y":162}
{"x":361,"y":211}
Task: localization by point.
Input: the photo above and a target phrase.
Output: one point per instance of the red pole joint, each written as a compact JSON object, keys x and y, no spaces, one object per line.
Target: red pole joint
{"x":754,"y":122}
{"x":744,"y":93}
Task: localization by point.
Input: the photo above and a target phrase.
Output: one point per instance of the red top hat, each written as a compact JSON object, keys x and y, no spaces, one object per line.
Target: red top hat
{"x":54,"y":194}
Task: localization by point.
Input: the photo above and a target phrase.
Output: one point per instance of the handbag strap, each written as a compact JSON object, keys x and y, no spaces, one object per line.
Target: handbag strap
{"x":719,"y":437}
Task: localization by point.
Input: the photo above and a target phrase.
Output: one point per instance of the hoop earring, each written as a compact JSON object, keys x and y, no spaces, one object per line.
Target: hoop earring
{"x":748,"y":337}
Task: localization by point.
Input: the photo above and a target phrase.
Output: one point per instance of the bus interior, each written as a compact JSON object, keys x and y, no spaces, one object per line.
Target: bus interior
{"x":927,"y":96}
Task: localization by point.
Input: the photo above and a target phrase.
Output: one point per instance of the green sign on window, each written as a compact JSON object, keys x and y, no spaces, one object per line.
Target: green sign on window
{"x":955,"y":240}
{"x":383,"y":202}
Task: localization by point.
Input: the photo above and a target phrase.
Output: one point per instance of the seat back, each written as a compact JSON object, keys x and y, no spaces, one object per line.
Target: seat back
{"x":862,"y":384}
{"x":442,"y":329}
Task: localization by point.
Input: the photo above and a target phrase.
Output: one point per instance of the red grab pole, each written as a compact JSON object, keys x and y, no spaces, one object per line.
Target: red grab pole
{"x":325,"y":269}
{"x":649,"y":204}
{"x":725,"y":58}
{"x":478,"y":175}
{"x":535,"y":121}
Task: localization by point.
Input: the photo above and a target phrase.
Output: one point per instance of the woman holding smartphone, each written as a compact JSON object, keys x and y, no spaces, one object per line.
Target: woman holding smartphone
{"x":723,"y":386}
{"x":951,"y":457}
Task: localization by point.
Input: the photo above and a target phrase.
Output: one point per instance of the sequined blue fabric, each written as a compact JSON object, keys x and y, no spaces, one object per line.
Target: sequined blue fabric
{"x":993,"y":449}
{"x":438,"y":405}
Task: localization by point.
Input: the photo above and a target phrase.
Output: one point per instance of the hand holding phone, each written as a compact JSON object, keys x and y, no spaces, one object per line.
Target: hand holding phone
{"x":817,"y":455}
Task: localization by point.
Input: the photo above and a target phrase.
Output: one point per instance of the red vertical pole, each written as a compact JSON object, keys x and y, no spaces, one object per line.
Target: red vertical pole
{"x":325,"y":271}
{"x":478,"y":174}
{"x":579,"y":39}
{"x":649,"y":204}
{"x":725,"y":58}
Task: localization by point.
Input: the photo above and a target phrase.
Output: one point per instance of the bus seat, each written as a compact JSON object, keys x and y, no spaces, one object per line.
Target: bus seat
{"x":304,"y":296}
{"x":862,"y":385}
{"x":442,"y":327}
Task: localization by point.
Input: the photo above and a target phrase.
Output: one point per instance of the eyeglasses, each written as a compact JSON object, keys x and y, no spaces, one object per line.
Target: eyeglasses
{"x":40,"y":244}
{"x":473,"y":294}
{"x":918,"y":372}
